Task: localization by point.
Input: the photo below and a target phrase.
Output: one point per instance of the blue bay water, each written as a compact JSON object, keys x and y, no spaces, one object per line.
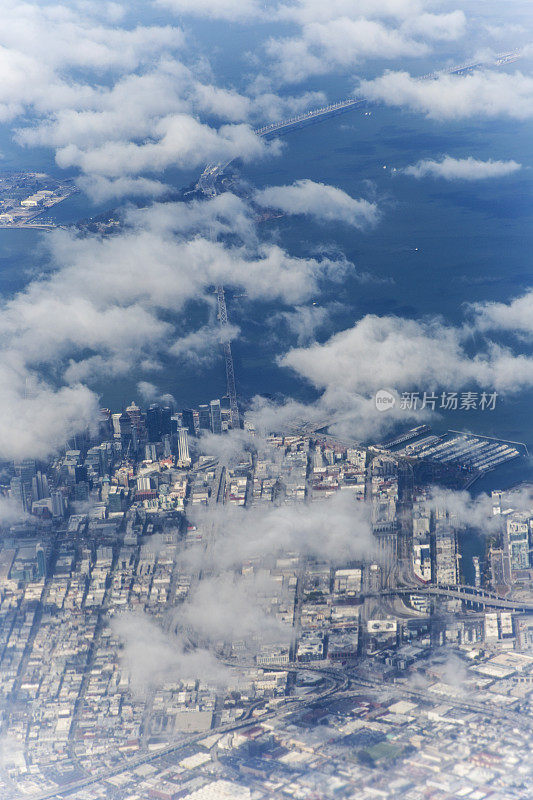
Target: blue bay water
{"x":438,"y":247}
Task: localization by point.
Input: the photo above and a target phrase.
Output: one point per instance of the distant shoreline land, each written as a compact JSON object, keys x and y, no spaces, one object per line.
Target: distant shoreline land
{"x":25,"y":196}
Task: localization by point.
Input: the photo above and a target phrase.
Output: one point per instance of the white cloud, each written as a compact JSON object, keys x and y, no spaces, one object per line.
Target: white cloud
{"x":301,"y":11}
{"x":179,"y":140}
{"x":231,"y":10}
{"x":515,"y":316}
{"x":304,"y":11}
{"x":228,"y":449}
{"x":463,"y":509}
{"x":444,"y":27}
{"x":345,"y":413}
{"x":482,"y":93}
{"x":10,"y":511}
{"x":337,"y":528}
{"x":324,"y":203}
{"x":335,"y":35}
{"x":120,"y":104}
{"x":222,"y":216}
{"x":304,"y":321}
{"x":337,"y":43}
{"x":407,"y":355}
{"x":272,"y":107}
{"x":399,"y":355}
{"x":104,"y":309}
{"x":100,"y":189}
{"x":151,"y":394}
{"x":228,"y":607}
{"x":152,"y":656}
{"x":345,"y":41}
{"x":37,"y":419}
{"x":39,"y":44}
{"x":203,"y":344}
{"x":342,"y":34}
{"x":114,"y":101}
{"x":466,"y":169}
{"x":478,"y":511}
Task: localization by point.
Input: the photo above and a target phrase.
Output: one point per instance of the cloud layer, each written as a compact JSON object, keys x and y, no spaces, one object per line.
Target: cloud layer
{"x":407,"y":354}
{"x":104,"y":309}
{"x":464,"y":169}
{"x":320,"y":201}
{"x":482,"y":93}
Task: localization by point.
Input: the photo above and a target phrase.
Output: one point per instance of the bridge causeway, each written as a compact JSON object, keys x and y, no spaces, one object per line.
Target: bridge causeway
{"x":467,"y":594}
{"x":206,"y":182}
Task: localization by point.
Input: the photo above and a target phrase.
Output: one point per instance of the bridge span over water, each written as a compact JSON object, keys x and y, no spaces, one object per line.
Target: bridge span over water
{"x":206,"y":182}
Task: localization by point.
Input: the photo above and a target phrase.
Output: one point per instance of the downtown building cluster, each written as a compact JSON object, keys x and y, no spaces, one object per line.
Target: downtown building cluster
{"x":353,"y":687}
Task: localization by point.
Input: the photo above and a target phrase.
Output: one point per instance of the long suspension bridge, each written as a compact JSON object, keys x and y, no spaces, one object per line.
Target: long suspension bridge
{"x":228,"y":357}
{"x":208,"y":180}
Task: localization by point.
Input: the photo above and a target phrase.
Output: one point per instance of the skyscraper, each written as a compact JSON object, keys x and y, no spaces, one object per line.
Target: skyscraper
{"x":184,"y":459}
{"x":166,"y":421}
{"x":216,"y":416}
{"x":16,"y":491}
{"x":39,"y":486}
{"x":58,"y":504}
{"x":150,"y":452}
{"x":167,"y":447}
{"x":126,"y":432}
{"x":204,"y":417}
{"x":187,"y":417}
{"x":138,"y":426}
{"x":41,"y":561}
{"x":153,"y":423}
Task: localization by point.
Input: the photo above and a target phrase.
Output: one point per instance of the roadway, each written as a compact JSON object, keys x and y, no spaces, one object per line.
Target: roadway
{"x":466,"y":593}
{"x":343,"y":683}
{"x":338,"y":682}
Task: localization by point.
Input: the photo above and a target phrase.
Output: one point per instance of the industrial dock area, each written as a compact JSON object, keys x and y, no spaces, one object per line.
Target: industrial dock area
{"x":471,"y":452}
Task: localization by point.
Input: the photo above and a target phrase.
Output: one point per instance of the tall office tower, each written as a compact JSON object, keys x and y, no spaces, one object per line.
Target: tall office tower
{"x":25,"y":470}
{"x":166,"y":421}
{"x":184,"y":459}
{"x":126,"y":432}
{"x":150,"y":452}
{"x":105,"y":423}
{"x":187,"y":417}
{"x":115,"y":425}
{"x":58,"y":504}
{"x":16,"y":490}
{"x":216,"y":416}
{"x":39,"y":487}
{"x":175,"y":423}
{"x":138,"y":425}
{"x":153,"y":423}
{"x":204,"y":417}
{"x":41,"y":560}
{"x":81,"y":491}
{"x":167,"y":446}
